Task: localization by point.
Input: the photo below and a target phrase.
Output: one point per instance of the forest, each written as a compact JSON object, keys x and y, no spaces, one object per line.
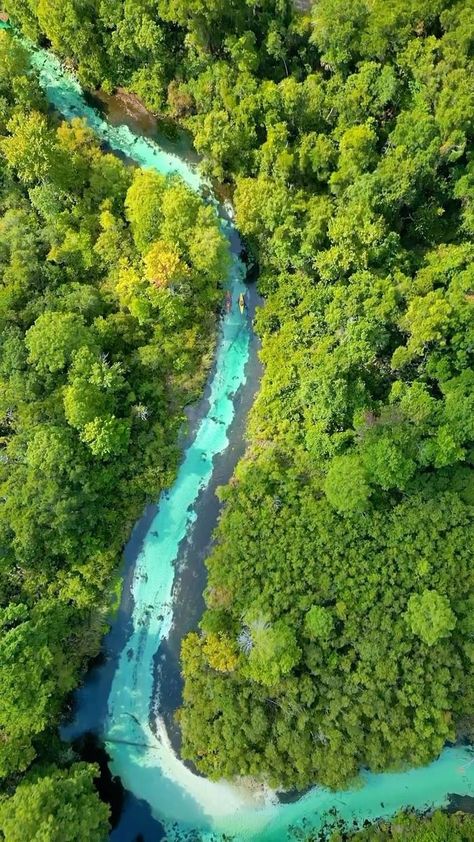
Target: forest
{"x":339,"y":629}
{"x":108,"y":307}
{"x":407,"y":827}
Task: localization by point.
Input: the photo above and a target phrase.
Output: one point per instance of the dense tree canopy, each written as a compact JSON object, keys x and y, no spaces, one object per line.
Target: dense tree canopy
{"x":408,"y":828}
{"x":107,"y":312}
{"x":349,"y":524}
{"x":338,"y":631}
{"x":55,"y":806}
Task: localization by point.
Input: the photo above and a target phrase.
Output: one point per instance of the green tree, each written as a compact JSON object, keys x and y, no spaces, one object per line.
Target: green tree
{"x":430,"y":616}
{"x":34,"y":673}
{"x":53,"y":340}
{"x":14,"y":60}
{"x":346,"y":485}
{"x":408,"y":827}
{"x":274,"y":653}
{"x":338,"y":29}
{"x":357,"y":154}
{"x":143,"y":205}
{"x":387,"y":462}
{"x":30,"y":149}
{"x":221,"y":652}
{"x":319,"y":623}
{"x":56,"y":805}
{"x":106,"y":437}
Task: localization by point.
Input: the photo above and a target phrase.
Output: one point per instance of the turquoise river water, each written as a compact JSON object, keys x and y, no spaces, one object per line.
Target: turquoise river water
{"x":184,"y":804}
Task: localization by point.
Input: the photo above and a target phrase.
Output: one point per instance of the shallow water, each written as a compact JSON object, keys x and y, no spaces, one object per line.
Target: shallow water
{"x":124,"y":695}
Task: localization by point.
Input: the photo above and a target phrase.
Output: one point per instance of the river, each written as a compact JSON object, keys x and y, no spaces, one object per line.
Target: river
{"x":128,"y":696}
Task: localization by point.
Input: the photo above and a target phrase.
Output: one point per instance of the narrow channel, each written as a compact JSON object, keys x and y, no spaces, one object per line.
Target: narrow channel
{"x":128,"y":698}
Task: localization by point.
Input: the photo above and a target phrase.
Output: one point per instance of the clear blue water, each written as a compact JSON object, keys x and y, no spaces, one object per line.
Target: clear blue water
{"x":136,"y":739}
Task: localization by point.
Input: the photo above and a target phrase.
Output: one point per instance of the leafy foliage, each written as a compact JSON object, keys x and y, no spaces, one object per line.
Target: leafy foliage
{"x":349,"y":522}
{"x":407,"y":827}
{"x":338,"y":631}
{"x":430,"y":616}
{"x":97,"y":361}
{"x":54,"y":806}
